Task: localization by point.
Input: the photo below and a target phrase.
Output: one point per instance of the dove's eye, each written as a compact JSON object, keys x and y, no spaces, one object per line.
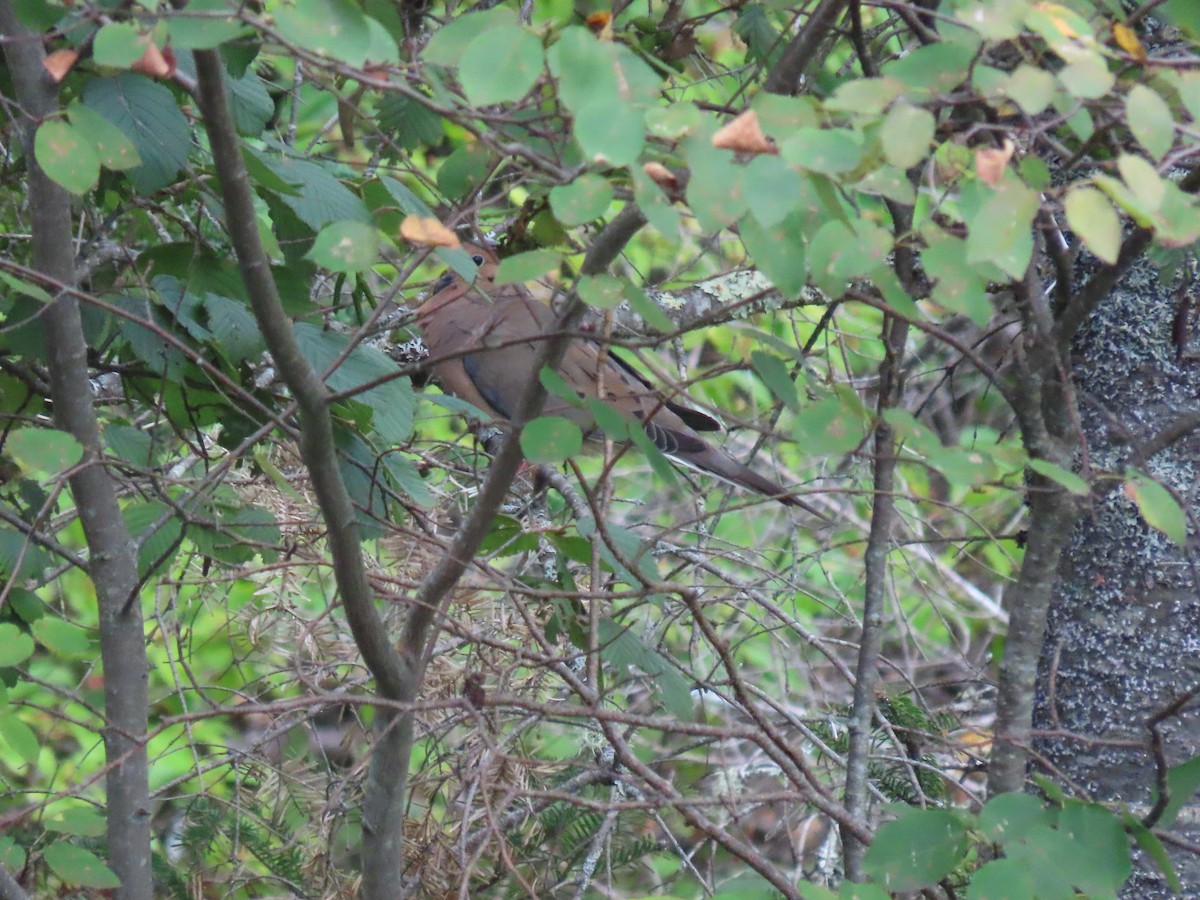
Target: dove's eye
{"x":477,"y":259}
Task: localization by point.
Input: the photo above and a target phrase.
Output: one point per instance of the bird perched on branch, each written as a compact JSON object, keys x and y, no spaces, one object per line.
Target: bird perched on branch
{"x":483,"y":342}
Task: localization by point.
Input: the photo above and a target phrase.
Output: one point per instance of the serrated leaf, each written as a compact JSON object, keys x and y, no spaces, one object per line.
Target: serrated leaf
{"x":15,"y":645}
{"x":147,"y":114}
{"x":1092,"y":217}
{"x":45,"y":451}
{"x":75,"y":865}
{"x":1157,"y":506}
{"x":392,"y":403}
{"x":957,"y":286}
{"x":346,"y":247}
{"x":500,"y":65}
{"x":550,"y":439}
{"x":778,"y":251}
{"x":622,"y":648}
{"x":320,"y":197}
{"x":1087,"y":77}
{"x":67,"y":156}
{"x":830,"y":151}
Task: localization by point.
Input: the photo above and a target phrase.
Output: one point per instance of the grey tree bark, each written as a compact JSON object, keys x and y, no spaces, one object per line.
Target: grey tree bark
{"x":1123,"y":636}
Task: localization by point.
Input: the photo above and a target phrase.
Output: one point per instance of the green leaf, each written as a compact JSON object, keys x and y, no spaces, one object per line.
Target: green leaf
{"x":116,"y":151}
{"x":1145,"y":184}
{"x":62,"y":637}
{"x":1183,"y":14}
{"x":464,"y":169}
{"x":15,"y":645}
{"x":650,"y":311}
{"x":147,"y":114}
{"x":610,"y":133}
{"x":775,"y":375}
{"x":320,"y":197}
{"x":934,"y":69}
{"x":778,"y":251}
{"x":917,"y":850}
{"x":346,"y":247}
{"x":1157,"y":506}
{"x":1002,"y":879}
{"x":1092,"y":217}
{"x":867,"y":96}
{"x":1150,"y":120}
{"x":1183,"y":781}
{"x":583,"y":200}
{"x":830,"y":151}
{"x":250,"y":103}
{"x":12,"y":854}
{"x":828,"y":428}
{"x":67,"y":156}
{"x":1100,"y":863}
{"x":43,"y":450}
{"x":1008,"y":817}
{"x":75,"y":865}
{"x":206,"y":24}
{"x":773,"y":189}
{"x":392,"y":403}
{"x":1001,"y":230}
{"x":77,"y":821}
{"x":622,"y":648}
{"x":528,"y":266}
{"x":601,"y":291}
{"x":906,"y":135}
{"x":550,"y":439}
{"x":333,"y":28}
{"x":1087,"y":77}
{"x":26,"y":288}
{"x":119,"y":45}
{"x":958,"y":287}
{"x":449,"y":43}
{"x":19,"y":737}
{"x":1059,"y":475}
{"x":500,"y":65}
{"x":1031,"y":88}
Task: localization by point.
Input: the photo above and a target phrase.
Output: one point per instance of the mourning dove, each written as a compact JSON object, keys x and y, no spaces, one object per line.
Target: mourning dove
{"x":483,"y":343}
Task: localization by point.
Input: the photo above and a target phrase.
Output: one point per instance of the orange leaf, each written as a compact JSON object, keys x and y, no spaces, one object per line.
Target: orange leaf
{"x":743,"y":134}
{"x":990,"y":162}
{"x":154,"y":63}
{"x":429,"y":231}
{"x":59,"y":63}
{"x":661,"y":175}
{"x":600,"y":24}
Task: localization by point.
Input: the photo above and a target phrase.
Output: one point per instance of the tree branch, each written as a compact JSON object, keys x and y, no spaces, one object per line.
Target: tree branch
{"x":113,"y":562}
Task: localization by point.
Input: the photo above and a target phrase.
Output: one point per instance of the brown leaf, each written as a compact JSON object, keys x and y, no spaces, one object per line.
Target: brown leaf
{"x":743,"y":134}
{"x":59,"y":63}
{"x":429,"y":231}
{"x":154,"y":63}
{"x":990,"y":162}
{"x":661,"y":175}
